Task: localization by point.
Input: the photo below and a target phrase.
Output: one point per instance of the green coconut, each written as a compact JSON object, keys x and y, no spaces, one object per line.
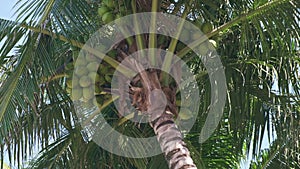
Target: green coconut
{"x":92,"y":66}
{"x":185,"y":114}
{"x":76,"y":93}
{"x":108,"y":17}
{"x":87,"y":93}
{"x":102,"y":10}
{"x":109,"y":3}
{"x":206,"y":27}
{"x":85,"y":81}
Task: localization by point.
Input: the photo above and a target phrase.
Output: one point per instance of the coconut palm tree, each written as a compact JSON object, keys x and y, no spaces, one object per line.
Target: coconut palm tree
{"x":257,"y":42}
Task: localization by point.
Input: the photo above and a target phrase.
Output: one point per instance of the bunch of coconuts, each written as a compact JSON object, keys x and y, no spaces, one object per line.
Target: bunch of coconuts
{"x":81,"y":89}
{"x":79,"y":80}
{"x":190,"y":34}
{"x":110,"y":10}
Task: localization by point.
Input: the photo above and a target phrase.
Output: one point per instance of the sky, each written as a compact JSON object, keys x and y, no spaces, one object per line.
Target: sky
{"x":6,"y":11}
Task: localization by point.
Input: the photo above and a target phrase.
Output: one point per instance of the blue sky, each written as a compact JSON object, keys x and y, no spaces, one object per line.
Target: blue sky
{"x":6,"y":11}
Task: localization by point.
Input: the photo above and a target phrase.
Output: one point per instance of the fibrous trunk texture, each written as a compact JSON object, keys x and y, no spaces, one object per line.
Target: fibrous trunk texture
{"x":171,"y":142}
{"x":159,"y":103}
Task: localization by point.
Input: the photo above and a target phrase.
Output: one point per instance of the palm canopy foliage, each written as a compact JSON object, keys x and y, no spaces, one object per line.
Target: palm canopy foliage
{"x":257,"y":41}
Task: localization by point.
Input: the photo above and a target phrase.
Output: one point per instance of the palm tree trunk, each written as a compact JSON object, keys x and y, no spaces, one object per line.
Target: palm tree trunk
{"x":171,"y":142}
{"x":160,"y":103}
